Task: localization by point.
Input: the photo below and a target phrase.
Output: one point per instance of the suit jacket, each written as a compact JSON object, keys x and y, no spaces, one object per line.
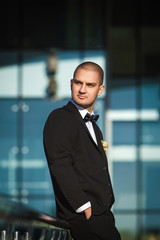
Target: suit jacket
{"x":78,"y":166}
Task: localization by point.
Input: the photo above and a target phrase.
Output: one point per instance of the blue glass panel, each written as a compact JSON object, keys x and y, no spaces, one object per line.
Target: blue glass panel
{"x":124,"y":133}
{"x":8,"y":128}
{"x":151,"y":186}
{"x":150,"y":94}
{"x":150,"y":133}
{"x":8,"y":146}
{"x":151,"y":223}
{"x":122,"y":96}
{"x":124,"y":184}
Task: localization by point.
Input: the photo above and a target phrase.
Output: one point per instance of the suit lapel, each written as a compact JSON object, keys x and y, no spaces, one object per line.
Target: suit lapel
{"x":75,"y":111}
{"x":98,"y":136}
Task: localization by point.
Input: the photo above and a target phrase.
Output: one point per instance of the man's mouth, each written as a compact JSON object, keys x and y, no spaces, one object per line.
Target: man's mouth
{"x":81,"y":96}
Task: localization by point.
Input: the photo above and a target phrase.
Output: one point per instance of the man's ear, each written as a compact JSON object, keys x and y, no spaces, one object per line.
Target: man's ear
{"x":71,"y":83}
{"x":101,"y":90}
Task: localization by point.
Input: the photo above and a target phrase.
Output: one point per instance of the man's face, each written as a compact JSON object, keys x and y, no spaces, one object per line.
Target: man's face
{"x":85,"y":88}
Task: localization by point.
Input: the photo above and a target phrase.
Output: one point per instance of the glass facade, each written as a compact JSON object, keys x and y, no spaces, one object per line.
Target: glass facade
{"x":40,"y":46}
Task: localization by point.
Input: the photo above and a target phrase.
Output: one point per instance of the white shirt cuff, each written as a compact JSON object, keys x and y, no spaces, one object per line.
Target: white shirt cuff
{"x":83,"y":207}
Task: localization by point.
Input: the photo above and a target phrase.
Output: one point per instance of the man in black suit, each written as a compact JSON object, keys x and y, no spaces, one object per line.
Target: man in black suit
{"x":77,"y":160}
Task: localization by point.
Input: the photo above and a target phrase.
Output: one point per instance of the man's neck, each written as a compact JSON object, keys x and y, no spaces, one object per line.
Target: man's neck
{"x":79,"y":107}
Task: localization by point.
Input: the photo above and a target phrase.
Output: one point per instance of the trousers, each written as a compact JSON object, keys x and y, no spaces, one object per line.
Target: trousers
{"x":97,"y":227}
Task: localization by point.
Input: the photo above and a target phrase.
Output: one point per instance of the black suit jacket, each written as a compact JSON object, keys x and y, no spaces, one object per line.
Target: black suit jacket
{"x":78,"y":166}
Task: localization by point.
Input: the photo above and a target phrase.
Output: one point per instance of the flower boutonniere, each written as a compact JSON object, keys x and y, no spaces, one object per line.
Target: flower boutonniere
{"x":105,"y":145}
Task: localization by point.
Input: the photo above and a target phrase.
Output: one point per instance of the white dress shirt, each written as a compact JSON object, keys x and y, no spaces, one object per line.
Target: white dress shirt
{"x":89,"y":125}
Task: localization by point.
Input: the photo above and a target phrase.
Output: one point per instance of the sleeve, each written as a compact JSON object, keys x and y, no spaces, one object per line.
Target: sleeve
{"x":83,"y":207}
{"x":58,"y":143}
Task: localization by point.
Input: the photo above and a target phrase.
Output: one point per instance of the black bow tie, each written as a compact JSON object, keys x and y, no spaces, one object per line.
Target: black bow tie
{"x":91,"y":118}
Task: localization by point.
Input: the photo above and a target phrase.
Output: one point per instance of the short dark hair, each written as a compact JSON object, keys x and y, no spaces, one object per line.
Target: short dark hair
{"x":91,"y":66}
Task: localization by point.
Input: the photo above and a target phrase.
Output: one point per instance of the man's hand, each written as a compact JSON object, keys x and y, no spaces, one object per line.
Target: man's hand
{"x":88,"y":213}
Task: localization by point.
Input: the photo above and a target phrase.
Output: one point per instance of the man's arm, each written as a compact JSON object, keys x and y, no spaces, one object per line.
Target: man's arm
{"x":58,"y":143}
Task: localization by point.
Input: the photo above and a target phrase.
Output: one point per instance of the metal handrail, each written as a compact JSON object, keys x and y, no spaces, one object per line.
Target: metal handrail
{"x":18,"y":222}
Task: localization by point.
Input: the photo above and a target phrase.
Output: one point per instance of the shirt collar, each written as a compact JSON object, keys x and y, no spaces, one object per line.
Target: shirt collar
{"x":81,"y":110}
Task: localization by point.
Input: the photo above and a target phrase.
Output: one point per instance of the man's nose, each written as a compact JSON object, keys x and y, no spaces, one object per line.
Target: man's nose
{"x":83,"y":88}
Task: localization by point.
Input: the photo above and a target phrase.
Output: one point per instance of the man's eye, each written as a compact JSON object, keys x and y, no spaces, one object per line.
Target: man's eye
{"x":77,"y":82}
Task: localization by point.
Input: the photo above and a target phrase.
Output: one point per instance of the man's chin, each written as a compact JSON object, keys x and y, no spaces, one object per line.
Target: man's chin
{"x":83,"y":104}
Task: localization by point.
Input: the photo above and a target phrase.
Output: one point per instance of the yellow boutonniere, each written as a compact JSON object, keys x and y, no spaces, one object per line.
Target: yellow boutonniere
{"x":105,"y":145}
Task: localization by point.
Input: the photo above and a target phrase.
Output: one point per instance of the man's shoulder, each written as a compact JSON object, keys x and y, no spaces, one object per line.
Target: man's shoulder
{"x":63,"y":113}
{"x":60,"y":119}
